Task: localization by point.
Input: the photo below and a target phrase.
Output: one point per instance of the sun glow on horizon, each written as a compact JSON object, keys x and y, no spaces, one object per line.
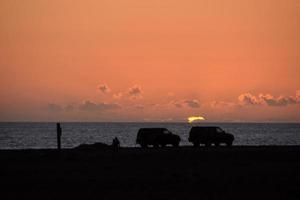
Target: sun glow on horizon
{"x":195,"y":118}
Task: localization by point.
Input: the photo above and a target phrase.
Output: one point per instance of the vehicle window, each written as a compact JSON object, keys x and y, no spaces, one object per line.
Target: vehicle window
{"x":219,"y":130}
{"x":166,"y":132}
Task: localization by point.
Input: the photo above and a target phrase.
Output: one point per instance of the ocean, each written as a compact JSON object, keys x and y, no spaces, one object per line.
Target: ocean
{"x":43,"y":135}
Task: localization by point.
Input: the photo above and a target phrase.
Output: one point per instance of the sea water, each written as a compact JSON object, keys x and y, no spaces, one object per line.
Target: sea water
{"x":43,"y":135}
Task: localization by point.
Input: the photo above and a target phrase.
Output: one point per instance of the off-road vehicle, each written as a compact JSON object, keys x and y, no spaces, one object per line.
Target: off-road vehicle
{"x":156,"y":137}
{"x":208,"y":135}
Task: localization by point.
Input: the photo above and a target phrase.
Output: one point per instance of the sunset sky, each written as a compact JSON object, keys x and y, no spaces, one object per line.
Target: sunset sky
{"x":158,"y":60}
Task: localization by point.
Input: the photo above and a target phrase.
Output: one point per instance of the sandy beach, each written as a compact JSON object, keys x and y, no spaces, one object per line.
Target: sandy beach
{"x":266,"y":172}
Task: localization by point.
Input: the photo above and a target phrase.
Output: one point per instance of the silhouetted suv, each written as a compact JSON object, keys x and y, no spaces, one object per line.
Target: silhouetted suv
{"x":210,"y":135}
{"x":156,"y":137}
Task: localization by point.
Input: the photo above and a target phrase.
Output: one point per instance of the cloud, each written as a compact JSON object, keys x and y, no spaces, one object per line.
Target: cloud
{"x":298,"y":95}
{"x":222,"y":104}
{"x":177,"y":104}
{"x":192,"y":103}
{"x":91,"y":106}
{"x":153,"y":105}
{"x":57,"y":107}
{"x":118,"y":95}
{"x":69,"y":107}
{"x":54,"y":107}
{"x":139,"y":107}
{"x":268,"y":99}
{"x":248,"y":99}
{"x":103,"y":88}
{"x":189,"y":103}
{"x":280,"y":101}
{"x":135,"y":91}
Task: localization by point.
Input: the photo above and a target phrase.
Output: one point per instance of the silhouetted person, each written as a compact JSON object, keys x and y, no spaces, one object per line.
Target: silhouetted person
{"x":116,"y":143}
{"x":58,"y":131}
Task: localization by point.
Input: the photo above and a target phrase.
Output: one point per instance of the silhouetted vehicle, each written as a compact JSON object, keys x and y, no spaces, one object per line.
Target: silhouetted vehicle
{"x":210,"y":135}
{"x":156,"y":137}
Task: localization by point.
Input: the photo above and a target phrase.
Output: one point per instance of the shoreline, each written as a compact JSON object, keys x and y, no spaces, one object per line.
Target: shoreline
{"x":201,"y":147}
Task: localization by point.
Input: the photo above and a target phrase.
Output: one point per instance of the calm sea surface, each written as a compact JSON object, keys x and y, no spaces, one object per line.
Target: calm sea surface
{"x":43,"y":135}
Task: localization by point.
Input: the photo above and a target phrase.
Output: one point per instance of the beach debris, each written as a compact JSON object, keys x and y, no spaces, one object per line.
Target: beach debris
{"x":94,"y":146}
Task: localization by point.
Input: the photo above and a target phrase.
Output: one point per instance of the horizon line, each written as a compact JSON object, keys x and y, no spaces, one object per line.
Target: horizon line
{"x":170,"y":122}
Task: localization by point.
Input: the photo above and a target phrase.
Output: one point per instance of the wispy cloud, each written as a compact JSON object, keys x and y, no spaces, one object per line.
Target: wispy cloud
{"x":103,"y":88}
{"x":91,"y":106}
{"x":69,"y":107}
{"x":222,"y":104}
{"x":194,"y":103}
{"x":135,"y":92}
{"x":191,"y":103}
{"x":177,"y":104}
{"x":118,"y":95}
{"x":54,"y":107}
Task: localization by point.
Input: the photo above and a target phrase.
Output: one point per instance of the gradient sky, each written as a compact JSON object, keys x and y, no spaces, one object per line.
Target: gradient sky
{"x":158,"y":60}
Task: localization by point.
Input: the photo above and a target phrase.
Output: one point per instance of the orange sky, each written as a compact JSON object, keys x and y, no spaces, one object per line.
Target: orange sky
{"x":158,"y":60}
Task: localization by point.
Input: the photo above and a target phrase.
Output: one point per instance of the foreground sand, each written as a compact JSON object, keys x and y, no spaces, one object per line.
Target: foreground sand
{"x":170,"y":173}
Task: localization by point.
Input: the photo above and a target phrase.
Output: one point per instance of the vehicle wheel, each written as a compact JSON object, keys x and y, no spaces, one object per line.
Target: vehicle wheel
{"x":144,"y":146}
{"x":217,"y":144}
{"x":208,"y":144}
{"x":196,"y":144}
{"x":176,"y":145}
{"x":229,"y":144}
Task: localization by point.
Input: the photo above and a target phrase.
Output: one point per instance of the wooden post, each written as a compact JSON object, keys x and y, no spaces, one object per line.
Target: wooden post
{"x":58,"y":131}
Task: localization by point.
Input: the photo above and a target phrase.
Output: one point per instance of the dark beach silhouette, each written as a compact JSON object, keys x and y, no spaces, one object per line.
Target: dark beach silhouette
{"x":237,"y":172}
{"x":98,"y":171}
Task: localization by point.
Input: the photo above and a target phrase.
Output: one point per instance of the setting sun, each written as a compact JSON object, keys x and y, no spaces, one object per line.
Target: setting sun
{"x":195,"y":118}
